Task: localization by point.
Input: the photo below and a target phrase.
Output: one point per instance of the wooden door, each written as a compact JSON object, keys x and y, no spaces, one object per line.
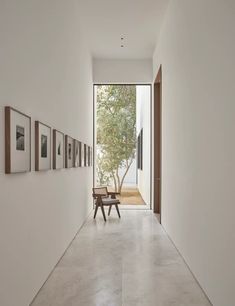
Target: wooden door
{"x":157,"y":142}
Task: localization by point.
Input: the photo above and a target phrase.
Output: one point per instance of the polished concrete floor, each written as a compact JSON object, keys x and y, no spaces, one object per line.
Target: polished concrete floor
{"x":123,"y":262}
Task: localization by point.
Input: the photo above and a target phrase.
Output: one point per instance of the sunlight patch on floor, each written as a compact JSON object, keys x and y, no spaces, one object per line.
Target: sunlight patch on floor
{"x":131,"y":196}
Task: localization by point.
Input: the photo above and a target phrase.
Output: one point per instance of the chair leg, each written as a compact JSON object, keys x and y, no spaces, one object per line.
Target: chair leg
{"x":110,"y":207}
{"x":116,"y":205}
{"x":103,"y":212}
{"x":96,"y":208}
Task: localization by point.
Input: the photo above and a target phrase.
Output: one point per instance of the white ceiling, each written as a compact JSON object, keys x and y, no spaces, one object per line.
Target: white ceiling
{"x":104,"y":22}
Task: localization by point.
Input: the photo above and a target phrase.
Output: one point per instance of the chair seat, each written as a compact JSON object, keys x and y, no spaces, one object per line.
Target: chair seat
{"x":110,"y":201}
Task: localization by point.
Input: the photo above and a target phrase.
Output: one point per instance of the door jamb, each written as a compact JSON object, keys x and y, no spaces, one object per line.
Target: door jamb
{"x":157,"y":145}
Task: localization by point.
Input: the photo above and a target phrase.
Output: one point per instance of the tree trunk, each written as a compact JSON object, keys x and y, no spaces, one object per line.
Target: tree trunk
{"x":122,"y":180}
{"x":118,"y":180}
{"x":115,"y":182}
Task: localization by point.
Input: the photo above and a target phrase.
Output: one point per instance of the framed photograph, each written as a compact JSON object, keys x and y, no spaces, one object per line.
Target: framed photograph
{"x":69,"y":152}
{"x":82,"y":155}
{"x":77,"y":152}
{"x":90,"y":156}
{"x":86,"y":155}
{"x":88,"y":148}
{"x":17,"y":141}
{"x":58,"y":150}
{"x":42,"y":146}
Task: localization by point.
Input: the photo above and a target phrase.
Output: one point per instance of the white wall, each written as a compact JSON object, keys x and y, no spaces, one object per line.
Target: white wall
{"x":130,"y":178}
{"x":122,"y":71}
{"x":196,"y":50}
{"x":143,"y":115}
{"x":45,"y":72}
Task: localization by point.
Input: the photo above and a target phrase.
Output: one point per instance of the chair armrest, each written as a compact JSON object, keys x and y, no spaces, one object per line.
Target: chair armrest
{"x":113,"y":193}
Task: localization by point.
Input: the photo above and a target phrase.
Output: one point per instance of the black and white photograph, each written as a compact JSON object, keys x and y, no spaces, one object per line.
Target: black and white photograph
{"x":77,"y":151}
{"x":42,"y":146}
{"x":90,"y":157}
{"x":69,"y":152}
{"x":17,"y":141}
{"x":87,"y":152}
{"x":58,"y":149}
{"x":20,"y":138}
{"x":82,"y":157}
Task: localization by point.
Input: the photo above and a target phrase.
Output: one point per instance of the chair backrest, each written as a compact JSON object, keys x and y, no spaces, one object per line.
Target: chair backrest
{"x":103,"y":191}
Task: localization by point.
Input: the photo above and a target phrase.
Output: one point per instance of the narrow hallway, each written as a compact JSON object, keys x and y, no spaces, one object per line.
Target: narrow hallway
{"x":126,"y":262}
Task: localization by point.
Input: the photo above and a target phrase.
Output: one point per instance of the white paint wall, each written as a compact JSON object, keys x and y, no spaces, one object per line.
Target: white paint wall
{"x":122,"y":71}
{"x":143,"y":115}
{"x":130,"y":178}
{"x":196,"y":50}
{"x":46,"y":72}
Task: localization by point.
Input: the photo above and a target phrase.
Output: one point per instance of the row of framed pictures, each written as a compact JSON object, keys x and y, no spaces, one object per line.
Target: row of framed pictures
{"x":65,"y":151}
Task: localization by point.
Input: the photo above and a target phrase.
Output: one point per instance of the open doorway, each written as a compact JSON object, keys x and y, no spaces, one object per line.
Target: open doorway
{"x":122,"y":142}
{"x":157,"y":143}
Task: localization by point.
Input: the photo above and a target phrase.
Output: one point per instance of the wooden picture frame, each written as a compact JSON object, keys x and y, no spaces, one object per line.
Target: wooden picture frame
{"x":17,"y":141}
{"x":42,"y":146}
{"x":69,"y":152}
{"x":58,"y":149}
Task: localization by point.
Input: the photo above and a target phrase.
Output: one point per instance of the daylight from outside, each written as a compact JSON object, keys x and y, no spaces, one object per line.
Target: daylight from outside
{"x":123,"y":141}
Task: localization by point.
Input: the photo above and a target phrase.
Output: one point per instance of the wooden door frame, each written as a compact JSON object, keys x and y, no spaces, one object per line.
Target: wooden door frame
{"x":157,"y":143}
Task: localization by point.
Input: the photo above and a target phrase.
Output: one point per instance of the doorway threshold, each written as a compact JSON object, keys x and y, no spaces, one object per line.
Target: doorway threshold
{"x":134,"y":207}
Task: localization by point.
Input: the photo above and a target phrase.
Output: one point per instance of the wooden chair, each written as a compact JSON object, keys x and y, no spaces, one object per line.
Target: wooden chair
{"x":105,"y":198}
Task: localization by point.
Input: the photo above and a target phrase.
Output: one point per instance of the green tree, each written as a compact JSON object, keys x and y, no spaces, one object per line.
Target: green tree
{"x":103,"y":176}
{"x":116,"y":131}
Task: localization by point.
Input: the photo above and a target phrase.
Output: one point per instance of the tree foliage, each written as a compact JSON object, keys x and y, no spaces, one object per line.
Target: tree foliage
{"x":116,"y":131}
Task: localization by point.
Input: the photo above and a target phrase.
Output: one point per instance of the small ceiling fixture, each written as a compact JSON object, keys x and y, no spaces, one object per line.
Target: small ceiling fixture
{"x":122,"y":45}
